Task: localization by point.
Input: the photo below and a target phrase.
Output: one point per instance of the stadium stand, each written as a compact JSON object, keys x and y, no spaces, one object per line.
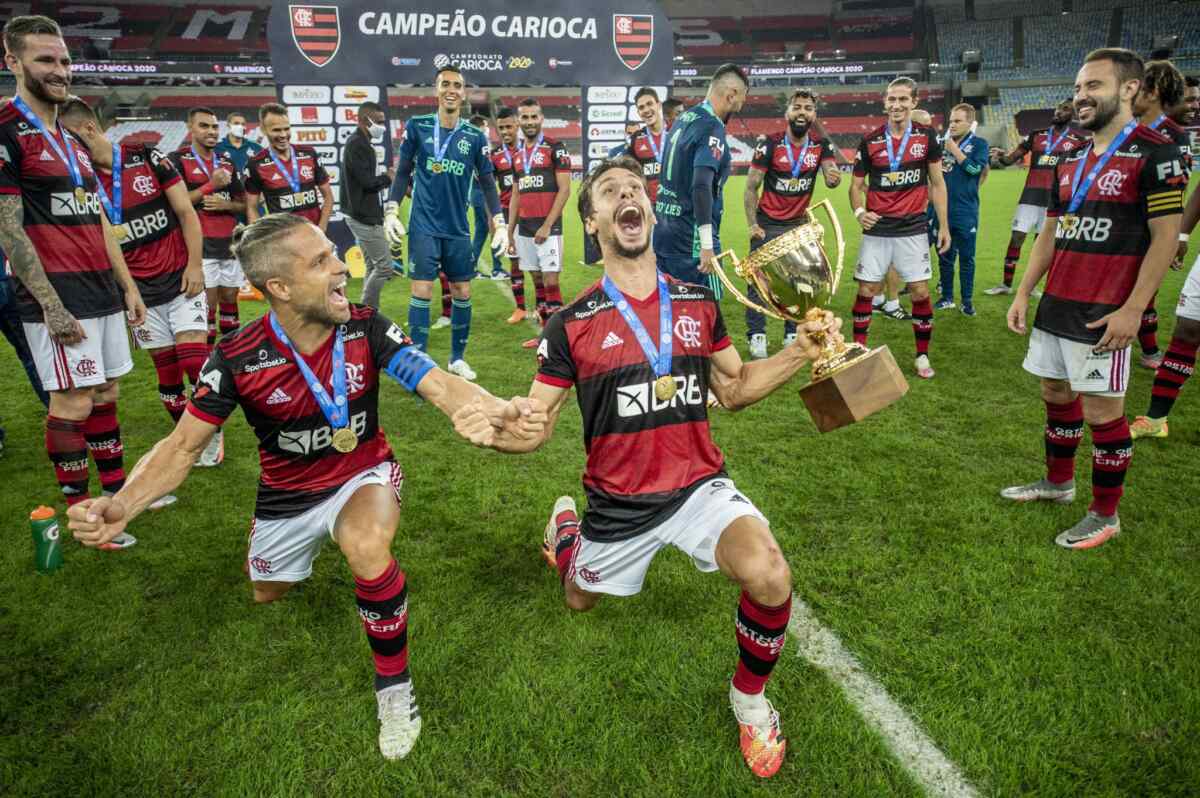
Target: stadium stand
{"x":1181,"y":19}
{"x":993,"y":38}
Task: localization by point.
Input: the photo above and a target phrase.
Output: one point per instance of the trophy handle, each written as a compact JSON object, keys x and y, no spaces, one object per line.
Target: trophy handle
{"x":838,"y":238}
{"x":733,"y":289}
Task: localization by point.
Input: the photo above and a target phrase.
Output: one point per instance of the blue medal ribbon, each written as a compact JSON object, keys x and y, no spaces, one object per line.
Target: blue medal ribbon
{"x":894,"y":159}
{"x":67,"y":157}
{"x":208,"y":170}
{"x":1079,"y":190}
{"x":798,"y":163}
{"x":1158,"y":121}
{"x":656,"y":146}
{"x":660,"y":357}
{"x":336,"y":407}
{"x":439,"y":149}
{"x":112,"y":208}
{"x":1051,"y":142}
{"x":293,"y":177}
{"x":527,"y":155}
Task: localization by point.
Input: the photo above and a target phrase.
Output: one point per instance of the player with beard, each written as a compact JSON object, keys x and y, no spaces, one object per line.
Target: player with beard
{"x":1189,"y":112}
{"x":540,"y":193}
{"x":899,"y":164}
{"x":504,"y":162}
{"x":440,"y":158}
{"x":159,"y":233}
{"x":642,"y":349}
{"x":286,"y":178}
{"x":307,"y":377}
{"x":785,"y":167}
{"x":695,"y":168}
{"x":1116,"y":207}
{"x":74,"y":291}
{"x":1045,"y":149}
{"x":1162,"y":90}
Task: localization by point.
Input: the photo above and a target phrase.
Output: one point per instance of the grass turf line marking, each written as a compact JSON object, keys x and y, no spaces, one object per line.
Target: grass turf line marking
{"x":917,"y":754}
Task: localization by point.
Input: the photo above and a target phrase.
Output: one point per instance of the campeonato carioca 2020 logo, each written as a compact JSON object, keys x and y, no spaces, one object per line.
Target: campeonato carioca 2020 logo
{"x":317,"y":32}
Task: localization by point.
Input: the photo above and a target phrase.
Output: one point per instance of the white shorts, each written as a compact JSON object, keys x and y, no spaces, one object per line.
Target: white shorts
{"x":1029,"y":217}
{"x":283,"y":549}
{"x":1189,"y":296}
{"x":223,"y":273}
{"x":908,"y":254}
{"x":619,"y":568}
{"x":165,"y":321}
{"x":1088,"y":371}
{"x":104,"y":355}
{"x":543,"y":257}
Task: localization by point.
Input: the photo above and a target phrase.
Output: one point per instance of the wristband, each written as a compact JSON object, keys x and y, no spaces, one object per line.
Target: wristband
{"x":1183,"y":237}
{"x":706,"y":236}
{"x":858,"y":212}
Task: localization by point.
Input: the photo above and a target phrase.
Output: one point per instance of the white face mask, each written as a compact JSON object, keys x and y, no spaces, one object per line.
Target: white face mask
{"x":376,"y":130}
{"x":237,"y":131}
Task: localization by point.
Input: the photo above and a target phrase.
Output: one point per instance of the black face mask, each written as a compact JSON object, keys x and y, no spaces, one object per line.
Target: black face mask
{"x":798,"y":127}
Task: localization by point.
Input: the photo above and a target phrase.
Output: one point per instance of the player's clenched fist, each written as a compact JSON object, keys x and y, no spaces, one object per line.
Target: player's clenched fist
{"x":95,"y":522}
{"x":471,"y":421}
{"x":524,"y":418}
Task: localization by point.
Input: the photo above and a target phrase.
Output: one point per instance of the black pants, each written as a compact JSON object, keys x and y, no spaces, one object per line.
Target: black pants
{"x":10,"y":325}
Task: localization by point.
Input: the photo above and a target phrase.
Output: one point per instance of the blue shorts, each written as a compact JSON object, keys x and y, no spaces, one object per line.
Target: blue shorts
{"x":451,"y":255}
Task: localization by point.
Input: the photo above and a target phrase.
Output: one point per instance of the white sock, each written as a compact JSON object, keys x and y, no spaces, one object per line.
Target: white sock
{"x":877,"y":300}
{"x":891,"y":304}
{"x":750,"y":708}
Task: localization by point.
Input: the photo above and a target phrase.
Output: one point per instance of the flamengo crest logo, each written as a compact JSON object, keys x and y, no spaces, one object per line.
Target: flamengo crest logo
{"x":317,"y":32}
{"x":1110,"y":183}
{"x":633,"y":38}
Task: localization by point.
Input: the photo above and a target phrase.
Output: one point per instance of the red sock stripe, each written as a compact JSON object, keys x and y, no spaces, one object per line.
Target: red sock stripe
{"x":761,"y":632}
{"x":1064,"y":430}
{"x":103,"y":434}
{"x":922,"y":313}
{"x":68,"y":452}
{"x":1112,"y":451}
{"x":1013,"y":254}
{"x":862,"y":318}
{"x":383,"y":608}
{"x":228,"y":317}
{"x":518,"y":283}
{"x":1178,"y":364}
{"x":1148,"y":332}
{"x":191,"y":359}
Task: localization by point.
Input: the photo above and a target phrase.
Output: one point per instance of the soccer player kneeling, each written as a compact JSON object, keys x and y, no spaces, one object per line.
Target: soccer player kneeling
{"x":643,"y":349}
{"x":307,"y":378}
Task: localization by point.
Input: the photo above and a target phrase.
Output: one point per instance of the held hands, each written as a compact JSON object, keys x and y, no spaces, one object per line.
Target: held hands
{"x":521,"y":418}
{"x":393,"y":228}
{"x":1121,"y":327}
{"x":95,"y":522}
{"x":828,"y":324}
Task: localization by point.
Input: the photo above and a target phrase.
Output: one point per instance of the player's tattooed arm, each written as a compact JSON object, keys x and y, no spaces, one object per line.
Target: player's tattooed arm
{"x":27,"y":267}
{"x":160,"y":471}
{"x":739,"y":385}
{"x":754,"y":181}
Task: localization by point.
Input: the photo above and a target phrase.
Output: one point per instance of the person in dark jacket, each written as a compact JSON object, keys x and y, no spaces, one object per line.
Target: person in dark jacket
{"x":359,"y":197}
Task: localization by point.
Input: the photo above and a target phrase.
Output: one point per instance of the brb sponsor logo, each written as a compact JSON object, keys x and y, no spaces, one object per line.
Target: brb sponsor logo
{"x":307,"y":441}
{"x":1088,"y":228}
{"x":528,"y":182}
{"x":639,"y":400}
{"x":64,"y":204}
{"x":304,"y":199}
{"x":907,"y":177}
{"x":793,"y":185}
{"x":149,"y":224}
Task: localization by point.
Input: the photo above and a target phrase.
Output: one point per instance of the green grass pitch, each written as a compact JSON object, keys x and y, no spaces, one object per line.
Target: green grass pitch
{"x":1038,"y":671}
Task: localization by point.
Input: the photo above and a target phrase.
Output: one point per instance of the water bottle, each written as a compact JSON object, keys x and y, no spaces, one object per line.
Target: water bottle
{"x":47,"y":552}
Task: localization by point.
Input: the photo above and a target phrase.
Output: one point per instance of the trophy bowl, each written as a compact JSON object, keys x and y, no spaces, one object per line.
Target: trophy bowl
{"x":796,"y":278}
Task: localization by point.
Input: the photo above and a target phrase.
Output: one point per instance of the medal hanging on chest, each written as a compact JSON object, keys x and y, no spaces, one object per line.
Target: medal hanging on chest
{"x":896,"y":158}
{"x":68,"y":157}
{"x":527,"y":156}
{"x":660,"y":357}
{"x":113,"y":208}
{"x":336,"y":408}
{"x":439,"y":149}
{"x":1079,"y":189}
{"x":292,"y":177}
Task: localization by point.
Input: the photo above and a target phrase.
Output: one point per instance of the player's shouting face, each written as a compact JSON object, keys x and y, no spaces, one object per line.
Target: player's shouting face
{"x":45,"y":67}
{"x":899,"y":102}
{"x":1099,"y":93}
{"x":620,"y":215}
{"x":531,"y":121}
{"x":450,"y":87}
{"x":310,"y":277}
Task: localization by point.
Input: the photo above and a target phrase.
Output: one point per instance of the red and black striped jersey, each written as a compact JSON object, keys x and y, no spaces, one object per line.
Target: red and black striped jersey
{"x":1097,"y":258}
{"x":1040,"y":180}
{"x":504,"y":160}
{"x":785,"y":198}
{"x":66,"y":233}
{"x":539,"y":183}
{"x":263,"y":177}
{"x":217,"y":226}
{"x":644,"y":456}
{"x":153,"y":245}
{"x":254,"y":369}
{"x":641,"y":148}
{"x":1179,"y":137}
{"x":901,"y":196}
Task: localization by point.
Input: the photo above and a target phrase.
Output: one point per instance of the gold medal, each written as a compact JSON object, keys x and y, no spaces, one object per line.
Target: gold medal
{"x":120,"y":232}
{"x":436,"y":167}
{"x":1069,"y":220}
{"x":344,"y":440}
{"x":664,"y":388}
{"x":80,"y":194}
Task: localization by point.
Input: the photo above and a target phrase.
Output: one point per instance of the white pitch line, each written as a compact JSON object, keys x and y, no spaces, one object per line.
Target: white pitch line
{"x":916,"y":752}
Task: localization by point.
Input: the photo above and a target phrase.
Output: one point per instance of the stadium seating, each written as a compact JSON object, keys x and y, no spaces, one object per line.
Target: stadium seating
{"x":993,"y":38}
{"x":1181,"y":19}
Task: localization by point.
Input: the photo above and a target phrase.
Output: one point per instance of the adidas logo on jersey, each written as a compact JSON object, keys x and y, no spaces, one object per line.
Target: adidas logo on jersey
{"x":611,"y":340}
{"x":278,"y":397}
{"x":46,"y":156}
{"x":1095,"y":374}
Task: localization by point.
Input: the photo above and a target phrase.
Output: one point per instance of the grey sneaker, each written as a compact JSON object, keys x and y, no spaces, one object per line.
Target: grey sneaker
{"x":1000,"y":290}
{"x":399,"y":720}
{"x":1042,"y":490}
{"x":758,"y":346}
{"x":1094,"y":530}
{"x":214,"y":452}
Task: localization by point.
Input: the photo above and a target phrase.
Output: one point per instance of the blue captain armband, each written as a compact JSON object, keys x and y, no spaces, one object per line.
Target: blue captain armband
{"x":409,"y":366}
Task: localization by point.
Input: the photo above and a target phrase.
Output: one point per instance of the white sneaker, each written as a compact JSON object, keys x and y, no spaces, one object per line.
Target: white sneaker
{"x":1000,"y":290}
{"x":399,"y":720}
{"x":162,"y":502}
{"x":789,"y":339}
{"x":214,"y":453}
{"x":441,"y":323}
{"x":461,"y":368}
{"x":758,"y":346}
{"x":121,"y":541}
{"x":924,"y":370}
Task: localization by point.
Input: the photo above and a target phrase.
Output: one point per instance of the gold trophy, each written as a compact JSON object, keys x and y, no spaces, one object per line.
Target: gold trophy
{"x":795,"y":278}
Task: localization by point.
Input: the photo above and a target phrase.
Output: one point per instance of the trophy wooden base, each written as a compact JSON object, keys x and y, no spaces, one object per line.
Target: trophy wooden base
{"x":864,"y":386}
